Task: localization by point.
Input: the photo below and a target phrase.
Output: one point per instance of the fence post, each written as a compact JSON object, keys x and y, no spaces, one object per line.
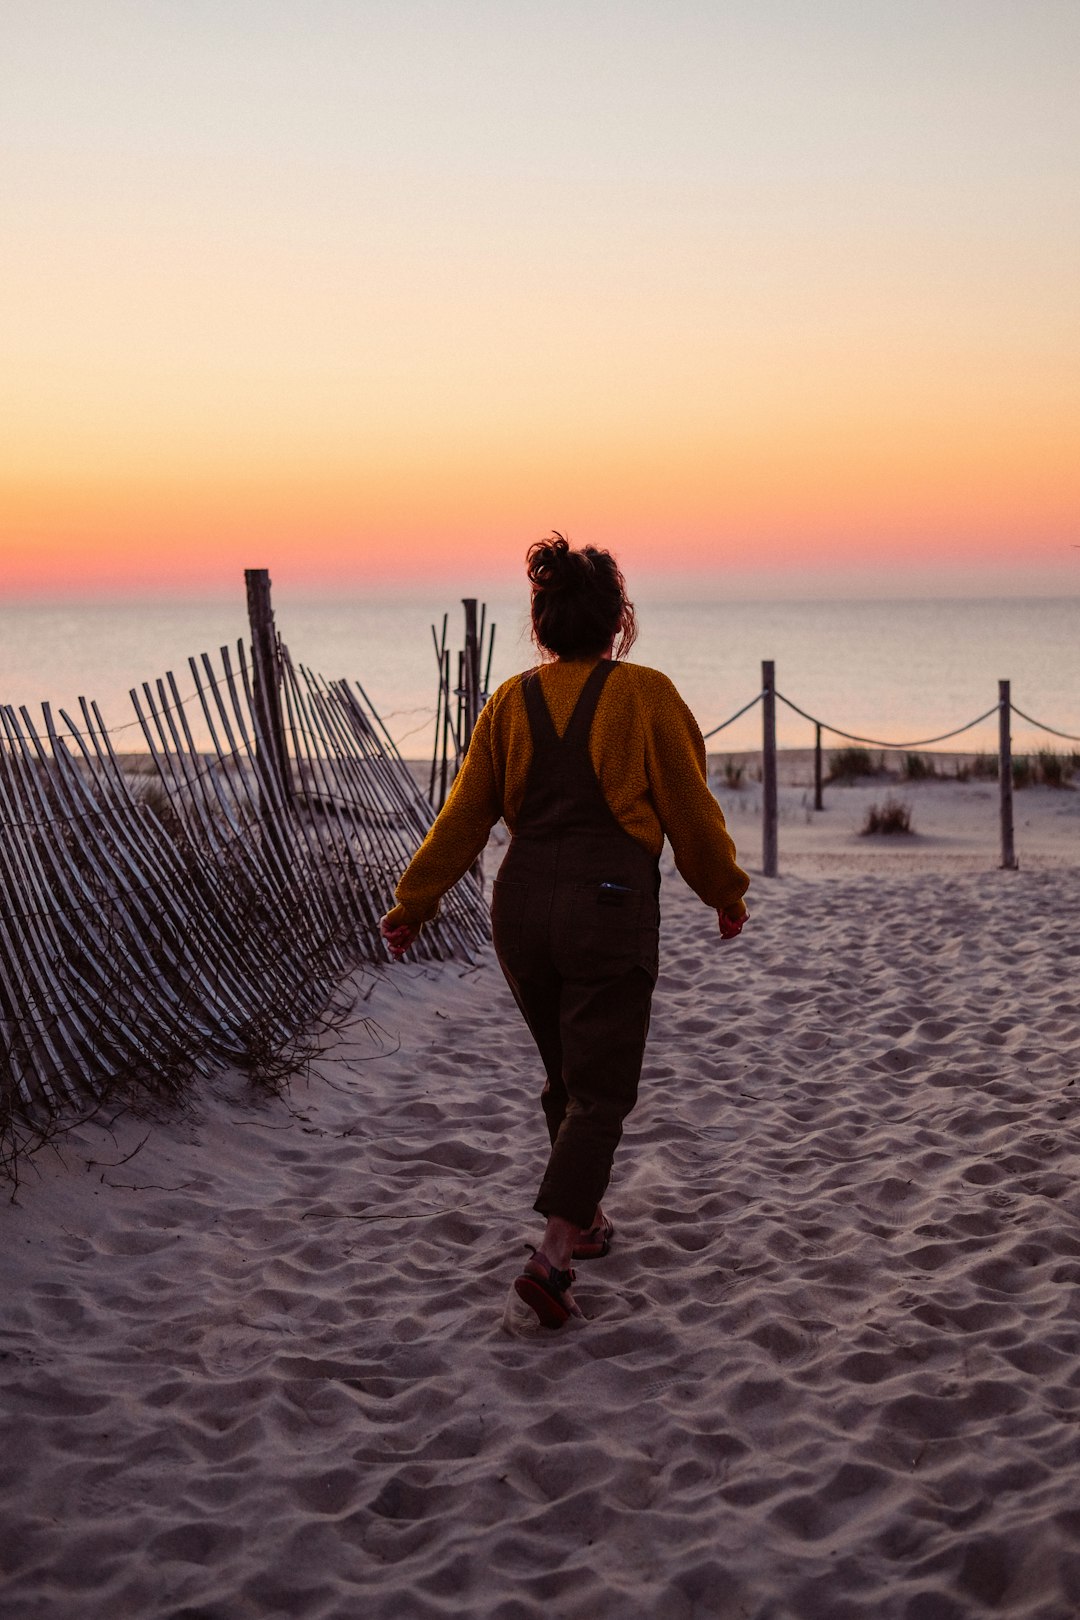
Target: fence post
{"x":472,"y":672}
{"x":819,"y":802}
{"x":768,"y":770}
{"x":269,"y":717}
{"x":1005,"y":780}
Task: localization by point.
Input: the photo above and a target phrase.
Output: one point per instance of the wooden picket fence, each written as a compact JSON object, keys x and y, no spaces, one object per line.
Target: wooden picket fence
{"x":203,"y":910}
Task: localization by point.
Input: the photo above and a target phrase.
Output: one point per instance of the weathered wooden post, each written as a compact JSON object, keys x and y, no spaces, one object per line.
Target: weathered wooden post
{"x":269,"y":717}
{"x":1005,"y":778}
{"x":459,"y":722}
{"x":472,"y":672}
{"x":819,"y":802}
{"x":769,"y":815}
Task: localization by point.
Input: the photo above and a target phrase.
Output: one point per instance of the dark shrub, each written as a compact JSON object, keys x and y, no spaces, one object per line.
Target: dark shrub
{"x":1054,"y":769}
{"x":848,"y":763}
{"x":888,"y":818}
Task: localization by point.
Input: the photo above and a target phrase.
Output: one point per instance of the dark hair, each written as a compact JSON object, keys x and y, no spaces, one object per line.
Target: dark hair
{"x":579,"y":600}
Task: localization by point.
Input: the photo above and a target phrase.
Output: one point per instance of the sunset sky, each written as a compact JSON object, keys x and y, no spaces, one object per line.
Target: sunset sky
{"x":373,"y":291}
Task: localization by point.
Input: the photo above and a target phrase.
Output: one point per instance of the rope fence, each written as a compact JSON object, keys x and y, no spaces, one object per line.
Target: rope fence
{"x":769,"y":696}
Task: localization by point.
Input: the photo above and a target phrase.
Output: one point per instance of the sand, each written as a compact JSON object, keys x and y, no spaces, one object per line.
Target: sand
{"x":265,"y":1365}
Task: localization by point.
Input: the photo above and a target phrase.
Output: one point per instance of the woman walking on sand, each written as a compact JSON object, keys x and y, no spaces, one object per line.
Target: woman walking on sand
{"x":592,"y":762}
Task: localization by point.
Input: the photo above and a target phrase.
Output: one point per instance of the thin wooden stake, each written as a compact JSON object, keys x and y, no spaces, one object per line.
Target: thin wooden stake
{"x":440,"y":648}
{"x":445,"y":769}
{"x":471,"y":671}
{"x":490,"y":653}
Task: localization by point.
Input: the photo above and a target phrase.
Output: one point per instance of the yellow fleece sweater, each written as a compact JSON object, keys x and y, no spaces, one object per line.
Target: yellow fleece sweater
{"x":649,"y":758}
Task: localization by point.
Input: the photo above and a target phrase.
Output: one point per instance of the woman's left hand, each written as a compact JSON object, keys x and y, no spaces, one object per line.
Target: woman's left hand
{"x":398,"y":939}
{"x":731,"y":927}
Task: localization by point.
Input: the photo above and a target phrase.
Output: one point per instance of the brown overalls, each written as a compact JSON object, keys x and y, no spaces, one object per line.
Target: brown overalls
{"x":575,"y":920}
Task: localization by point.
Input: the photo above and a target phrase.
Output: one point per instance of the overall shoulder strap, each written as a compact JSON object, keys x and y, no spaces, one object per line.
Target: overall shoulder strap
{"x":541,"y":724}
{"x":577,"y":732}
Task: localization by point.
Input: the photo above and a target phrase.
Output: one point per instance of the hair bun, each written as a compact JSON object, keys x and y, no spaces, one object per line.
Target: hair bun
{"x":551,"y":563}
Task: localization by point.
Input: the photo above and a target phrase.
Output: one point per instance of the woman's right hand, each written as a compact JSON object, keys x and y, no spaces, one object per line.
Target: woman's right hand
{"x":731,"y":926}
{"x":399,"y":938}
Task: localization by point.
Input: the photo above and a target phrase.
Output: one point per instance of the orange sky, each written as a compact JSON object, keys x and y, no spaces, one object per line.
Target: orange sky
{"x":778,"y":297}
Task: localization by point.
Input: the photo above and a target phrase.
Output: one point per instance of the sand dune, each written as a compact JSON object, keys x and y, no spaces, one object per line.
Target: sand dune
{"x":831,"y":1370}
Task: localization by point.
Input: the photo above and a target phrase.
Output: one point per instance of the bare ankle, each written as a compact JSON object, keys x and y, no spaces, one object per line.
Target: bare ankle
{"x":557,"y":1245}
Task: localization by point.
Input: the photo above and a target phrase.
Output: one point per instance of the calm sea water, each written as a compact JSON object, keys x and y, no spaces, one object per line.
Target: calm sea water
{"x":895,"y":670}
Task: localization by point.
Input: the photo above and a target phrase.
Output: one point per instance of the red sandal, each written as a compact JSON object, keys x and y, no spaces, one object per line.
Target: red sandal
{"x":544,"y":1290}
{"x":595,"y":1243}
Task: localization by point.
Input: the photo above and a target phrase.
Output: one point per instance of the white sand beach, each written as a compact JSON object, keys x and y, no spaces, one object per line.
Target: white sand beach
{"x":256,"y":1360}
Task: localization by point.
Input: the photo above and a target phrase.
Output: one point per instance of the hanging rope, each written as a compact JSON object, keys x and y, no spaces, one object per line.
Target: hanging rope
{"x":876,"y":742}
{"x":736,"y":716}
{"x":1070,"y":736}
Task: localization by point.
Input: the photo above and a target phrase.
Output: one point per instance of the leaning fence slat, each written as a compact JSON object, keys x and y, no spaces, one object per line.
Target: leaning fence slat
{"x":440,"y":648}
{"x":51,"y":946}
{"x":466,"y":901}
{"x":184,"y":774}
{"x":259,"y":991}
{"x":133,"y":936}
{"x":193,"y":917}
{"x":363,"y":797}
{"x":147,"y":892}
{"x":182,"y":930}
{"x":79,"y":889}
{"x":330,"y":888}
{"x":347,"y":891}
{"x":33,"y":1009}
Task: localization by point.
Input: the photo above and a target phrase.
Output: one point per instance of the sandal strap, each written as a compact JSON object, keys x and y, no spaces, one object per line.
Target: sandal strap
{"x":556,"y":1282}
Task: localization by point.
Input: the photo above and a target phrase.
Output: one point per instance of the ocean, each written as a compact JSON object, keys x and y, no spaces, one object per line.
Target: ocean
{"x":896,"y":670}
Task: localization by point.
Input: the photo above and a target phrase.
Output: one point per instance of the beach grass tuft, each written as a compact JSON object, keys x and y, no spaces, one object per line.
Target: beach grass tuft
{"x":1055,"y":770}
{"x":848,"y":764}
{"x":985,"y":767}
{"x":887,"y":819}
